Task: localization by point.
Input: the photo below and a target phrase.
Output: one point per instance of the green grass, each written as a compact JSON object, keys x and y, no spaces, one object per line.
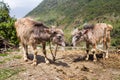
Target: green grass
{"x":117,"y":78}
{"x":1,"y":62}
{"x":7,"y":73}
{"x":10,"y":58}
{"x":3,"y":54}
{"x":5,"y":60}
{"x":94,"y":79}
{"x":17,"y":56}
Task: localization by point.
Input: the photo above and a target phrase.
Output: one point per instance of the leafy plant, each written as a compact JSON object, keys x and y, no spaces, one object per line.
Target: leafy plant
{"x":7,"y":30}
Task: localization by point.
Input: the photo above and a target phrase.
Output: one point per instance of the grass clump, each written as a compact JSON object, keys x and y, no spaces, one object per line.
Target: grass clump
{"x":3,"y":54}
{"x":6,"y":73}
{"x":17,"y":56}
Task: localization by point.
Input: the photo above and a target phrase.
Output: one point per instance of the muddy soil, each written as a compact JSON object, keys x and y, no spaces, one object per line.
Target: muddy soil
{"x":69,"y":65}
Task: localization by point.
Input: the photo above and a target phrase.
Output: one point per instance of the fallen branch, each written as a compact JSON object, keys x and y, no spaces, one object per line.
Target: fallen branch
{"x":4,"y":45}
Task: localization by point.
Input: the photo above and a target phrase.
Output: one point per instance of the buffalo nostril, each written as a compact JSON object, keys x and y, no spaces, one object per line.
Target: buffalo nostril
{"x":59,"y":37}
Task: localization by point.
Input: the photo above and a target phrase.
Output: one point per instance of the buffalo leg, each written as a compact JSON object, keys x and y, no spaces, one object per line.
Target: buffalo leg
{"x":34,"y":54}
{"x":94,"y":53}
{"x":87,"y":51}
{"x":44,"y":52}
{"x":107,"y":46}
{"x":25,"y":51}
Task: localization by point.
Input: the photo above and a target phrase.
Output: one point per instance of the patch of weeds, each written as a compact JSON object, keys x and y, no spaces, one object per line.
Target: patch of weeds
{"x":3,"y":54}
{"x":10,"y":50}
{"x":6,"y":59}
{"x":7,"y":73}
{"x":71,"y":79}
{"x":117,"y":78}
{"x":17,"y":56}
{"x":10,"y":58}
{"x":1,"y":62}
{"x":94,"y":79}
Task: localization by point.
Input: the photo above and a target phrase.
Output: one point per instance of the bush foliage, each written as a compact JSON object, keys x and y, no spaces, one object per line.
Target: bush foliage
{"x":7,"y":30}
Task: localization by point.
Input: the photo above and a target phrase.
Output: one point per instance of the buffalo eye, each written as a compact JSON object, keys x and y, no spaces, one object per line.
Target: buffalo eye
{"x":77,"y":36}
{"x":54,"y":32}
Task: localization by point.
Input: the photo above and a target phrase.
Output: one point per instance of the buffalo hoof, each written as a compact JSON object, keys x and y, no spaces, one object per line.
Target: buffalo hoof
{"x":94,"y":60}
{"x":47,"y":61}
{"x":86,"y":59}
{"x":25,"y":59}
{"x":34,"y":63}
{"x":106,"y":57}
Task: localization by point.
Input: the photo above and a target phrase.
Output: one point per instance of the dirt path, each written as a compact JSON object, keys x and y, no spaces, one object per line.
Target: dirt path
{"x":70,"y":65}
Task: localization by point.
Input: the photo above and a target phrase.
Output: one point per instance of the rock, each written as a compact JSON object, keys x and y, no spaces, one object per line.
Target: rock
{"x":84,"y":68}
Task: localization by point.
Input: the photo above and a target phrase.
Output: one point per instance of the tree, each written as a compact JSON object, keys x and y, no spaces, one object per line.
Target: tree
{"x":7,"y":30}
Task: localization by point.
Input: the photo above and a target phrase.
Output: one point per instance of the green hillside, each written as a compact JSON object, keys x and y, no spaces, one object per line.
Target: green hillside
{"x":69,"y":14}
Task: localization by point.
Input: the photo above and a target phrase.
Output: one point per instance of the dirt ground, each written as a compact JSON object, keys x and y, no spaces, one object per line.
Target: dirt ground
{"x":70,"y":65}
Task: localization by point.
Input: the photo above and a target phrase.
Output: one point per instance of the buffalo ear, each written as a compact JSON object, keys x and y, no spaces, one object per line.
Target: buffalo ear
{"x":50,"y":31}
{"x":47,"y":30}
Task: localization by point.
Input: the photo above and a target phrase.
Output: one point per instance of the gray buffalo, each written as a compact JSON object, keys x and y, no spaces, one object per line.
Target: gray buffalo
{"x":92,"y":35}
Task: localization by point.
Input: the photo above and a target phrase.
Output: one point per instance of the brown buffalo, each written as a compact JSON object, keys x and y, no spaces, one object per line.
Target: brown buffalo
{"x":31,"y":33}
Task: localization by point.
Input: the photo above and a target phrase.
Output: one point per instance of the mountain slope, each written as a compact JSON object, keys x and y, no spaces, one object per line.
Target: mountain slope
{"x":69,"y":14}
